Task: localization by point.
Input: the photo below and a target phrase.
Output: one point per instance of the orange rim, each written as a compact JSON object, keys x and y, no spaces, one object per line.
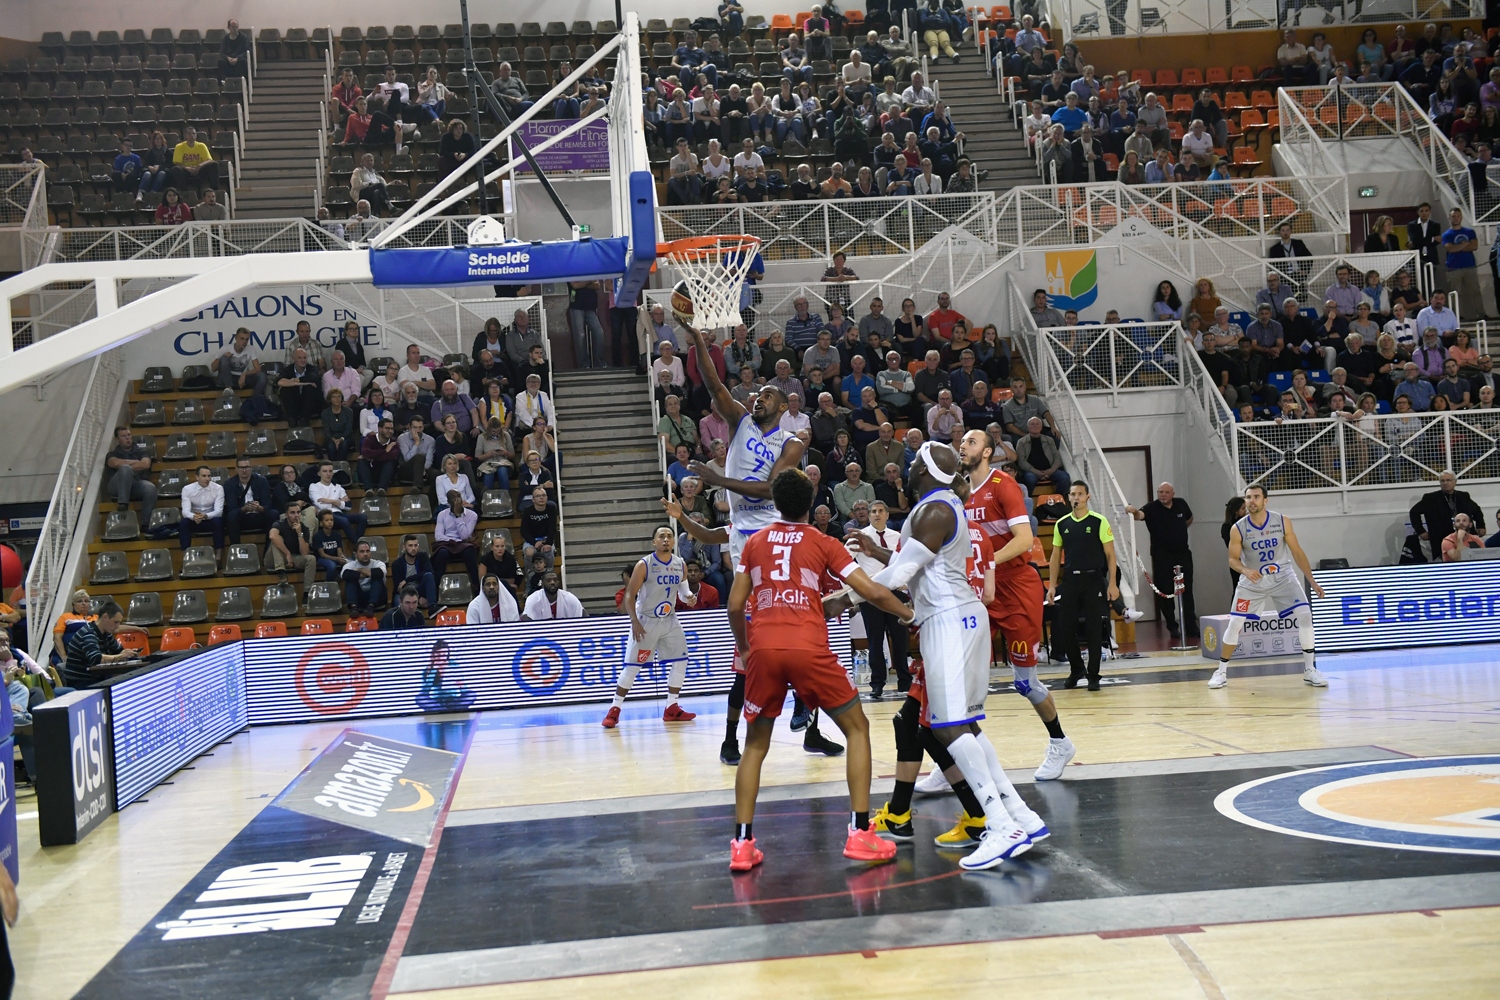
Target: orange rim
{"x":698,"y":247}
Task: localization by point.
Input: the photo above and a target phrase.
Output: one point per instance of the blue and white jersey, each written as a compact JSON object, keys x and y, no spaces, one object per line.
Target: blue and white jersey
{"x":657,"y":597}
{"x":943,"y":584}
{"x":1263,"y":548}
{"x":751,"y":457}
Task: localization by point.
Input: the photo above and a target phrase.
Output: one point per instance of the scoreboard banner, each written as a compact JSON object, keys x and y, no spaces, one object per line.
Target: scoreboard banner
{"x":1383,"y":607}
{"x":476,"y":667}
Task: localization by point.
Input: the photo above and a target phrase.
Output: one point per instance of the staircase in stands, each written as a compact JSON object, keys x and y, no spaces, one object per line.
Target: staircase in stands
{"x":611,"y":479}
{"x":984,"y":118}
{"x":281,"y":141}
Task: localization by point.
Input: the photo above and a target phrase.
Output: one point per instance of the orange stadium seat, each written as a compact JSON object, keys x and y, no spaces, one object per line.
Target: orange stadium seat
{"x":1192,"y":77}
{"x":270,"y":630}
{"x":1216,"y":75}
{"x":1242,"y":74}
{"x":176,"y":639}
{"x":224,"y":633}
{"x":317,"y":626}
{"x":138,"y":641}
{"x":1182,"y":103}
{"x":362,"y":623}
{"x":1166,"y":78}
{"x":450,"y":617}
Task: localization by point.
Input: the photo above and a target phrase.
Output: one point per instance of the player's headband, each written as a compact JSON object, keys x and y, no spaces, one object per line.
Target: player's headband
{"x":925,"y":454}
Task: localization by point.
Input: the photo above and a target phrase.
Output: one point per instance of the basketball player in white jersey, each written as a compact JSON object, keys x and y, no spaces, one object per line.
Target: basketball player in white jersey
{"x":656,"y":583}
{"x":1264,"y":550}
{"x":758,"y":452}
{"x":932,"y":564}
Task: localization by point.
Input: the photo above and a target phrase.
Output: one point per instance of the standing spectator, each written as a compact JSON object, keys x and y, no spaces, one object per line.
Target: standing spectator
{"x":1168,"y":519}
{"x":1424,"y":235}
{"x":193,"y":165}
{"x":1435,"y":516}
{"x":1038,"y":460}
{"x":1087,"y":584}
{"x":583,"y":318}
{"x":551,"y":601}
{"x":405,"y":613}
{"x":131,"y":465}
{"x":882,"y":628}
{"x":300,"y":391}
{"x":247,"y":502}
{"x":453,"y":538}
{"x":202,"y":510}
{"x":1460,"y":243}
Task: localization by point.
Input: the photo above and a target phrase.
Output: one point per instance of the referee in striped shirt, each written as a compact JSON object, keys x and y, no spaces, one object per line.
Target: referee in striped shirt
{"x":1086,"y":580}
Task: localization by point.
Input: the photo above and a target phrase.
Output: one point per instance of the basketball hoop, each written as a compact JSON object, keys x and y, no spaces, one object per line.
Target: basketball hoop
{"x":714,"y":268}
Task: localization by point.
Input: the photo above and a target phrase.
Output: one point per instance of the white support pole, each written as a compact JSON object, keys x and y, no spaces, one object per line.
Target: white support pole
{"x":501,"y":171}
{"x":421,"y":211}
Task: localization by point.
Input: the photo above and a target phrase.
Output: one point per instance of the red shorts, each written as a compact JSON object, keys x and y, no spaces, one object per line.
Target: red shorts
{"x":815,"y":674}
{"x":1016,"y":613}
{"x":918,"y":690}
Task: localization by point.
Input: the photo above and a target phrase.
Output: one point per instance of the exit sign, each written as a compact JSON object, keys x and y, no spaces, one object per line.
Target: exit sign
{"x":1369,"y":192}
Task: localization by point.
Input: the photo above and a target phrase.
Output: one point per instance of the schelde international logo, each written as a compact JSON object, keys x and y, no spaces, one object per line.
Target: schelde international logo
{"x":332,"y":678}
{"x":1448,"y":805}
{"x":1072,"y":279}
{"x":541,"y":667}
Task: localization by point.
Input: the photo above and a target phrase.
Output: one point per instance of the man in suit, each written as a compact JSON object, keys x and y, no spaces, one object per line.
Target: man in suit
{"x":248,"y":505}
{"x":1432,"y":517}
{"x":1425,"y":235}
{"x":1286,"y":246}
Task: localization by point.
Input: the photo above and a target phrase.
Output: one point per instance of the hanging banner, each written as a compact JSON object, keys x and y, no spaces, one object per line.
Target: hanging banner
{"x":586,"y":149}
{"x":502,"y":264}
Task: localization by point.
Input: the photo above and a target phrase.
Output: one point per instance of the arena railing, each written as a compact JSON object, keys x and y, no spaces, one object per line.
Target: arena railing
{"x":814,"y":230}
{"x":1076,"y":19}
{"x":74,"y":498}
{"x":1085,"y":459}
{"x":1307,"y":279}
{"x":224,"y":239}
{"x":1369,"y":111}
{"x":23,"y":203}
{"x":1370,"y":450}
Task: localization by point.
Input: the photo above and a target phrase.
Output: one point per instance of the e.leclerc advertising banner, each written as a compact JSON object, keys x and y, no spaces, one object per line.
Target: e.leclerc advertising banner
{"x":1382,"y":607}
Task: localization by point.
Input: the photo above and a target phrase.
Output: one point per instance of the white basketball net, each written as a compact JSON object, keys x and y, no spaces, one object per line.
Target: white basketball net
{"x":715,"y":275}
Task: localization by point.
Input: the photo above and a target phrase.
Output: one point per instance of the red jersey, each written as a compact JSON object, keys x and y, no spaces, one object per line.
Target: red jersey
{"x":786,"y":564}
{"x":997,"y":505}
{"x":981,"y":557}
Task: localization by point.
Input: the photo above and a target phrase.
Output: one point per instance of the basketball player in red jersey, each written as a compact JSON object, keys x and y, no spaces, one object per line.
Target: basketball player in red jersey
{"x":780,"y":570}
{"x":997,"y":505}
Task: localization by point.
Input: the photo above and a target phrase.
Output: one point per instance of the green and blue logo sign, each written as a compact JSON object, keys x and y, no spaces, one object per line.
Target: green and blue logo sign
{"x":1072,"y":279}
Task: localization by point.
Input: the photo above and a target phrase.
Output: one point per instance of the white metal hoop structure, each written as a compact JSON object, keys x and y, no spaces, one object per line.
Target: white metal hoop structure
{"x":714,"y":268}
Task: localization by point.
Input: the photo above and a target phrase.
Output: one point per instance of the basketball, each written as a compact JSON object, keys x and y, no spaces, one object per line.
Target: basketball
{"x":682,"y":303}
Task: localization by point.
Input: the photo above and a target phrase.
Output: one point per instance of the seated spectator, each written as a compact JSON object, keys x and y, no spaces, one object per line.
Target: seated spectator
{"x":172,"y":211}
{"x":533,"y":403}
{"x":1463,"y":351}
{"x":380,"y":455}
{"x":827,"y":423}
{"x":94,"y":646}
{"x":1430,"y":355}
{"x":539,"y":528}
{"x":452,"y":480}
{"x":943,"y":417}
{"x":202,"y":510}
{"x":324,"y":544}
{"x":551,"y":601}
{"x":405,"y":613}
{"x":457,"y":145}
{"x":784,"y":380}
{"x":675,"y":427}
{"x":1038,"y":459}
{"x":1454,"y":388}
{"x":866,"y":418}
{"x":345,"y":93}
{"x":685,"y":185}
{"x":1416,"y":390}
{"x":1463,"y":537}
{"x":851,"y":491}
{"x":193,"y":165}
{"x":451,"y":443}
{"x":453,"y":538}
{"x":1016,"y":412}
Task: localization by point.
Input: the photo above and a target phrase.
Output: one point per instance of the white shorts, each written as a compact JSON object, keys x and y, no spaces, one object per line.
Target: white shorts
{"x":1277,"y":596}
{"x":956,"y":666}
{"x":664,"y":642}
{"x":737,"y":539}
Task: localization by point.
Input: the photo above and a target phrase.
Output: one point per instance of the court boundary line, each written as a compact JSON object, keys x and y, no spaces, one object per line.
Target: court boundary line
{"x":1312,"y":757}
{"x":392,"y":959}
{"x":977,"y":925}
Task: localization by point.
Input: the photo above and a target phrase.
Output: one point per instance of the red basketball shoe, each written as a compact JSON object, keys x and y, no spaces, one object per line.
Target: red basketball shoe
{"x":676,"y":713}
{"x":611,"y":718}
{"x":743,"y":855}
{"x":864,"y":845}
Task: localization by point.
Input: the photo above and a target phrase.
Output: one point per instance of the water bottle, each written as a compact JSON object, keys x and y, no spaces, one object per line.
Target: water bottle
{"x":861,"y":667}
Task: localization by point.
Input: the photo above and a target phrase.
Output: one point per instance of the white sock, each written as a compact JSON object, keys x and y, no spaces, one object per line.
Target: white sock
{"x":1305,"y":636}
{"x":627,"y":678}
{"x":675,"y":677}
{"x":1307,"y":660}
{"x":997,"y":773}
{"x":969,"y":756}
{"x":671,"y":698}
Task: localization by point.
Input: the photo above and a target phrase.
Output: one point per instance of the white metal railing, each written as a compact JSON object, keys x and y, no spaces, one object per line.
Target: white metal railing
{"x":1370,"y":451}
{"x":1375,"y":110}
{"x":23,"y":203}
{"x":1082,"y":19}
{"x":815,"y":230}
{"x":73,"y":500}
{"x":254,"y":58}
{"x":1085,"y":459}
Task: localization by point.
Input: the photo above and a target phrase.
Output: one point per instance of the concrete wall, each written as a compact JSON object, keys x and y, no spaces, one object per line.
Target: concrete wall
{"x":28,"y":472}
